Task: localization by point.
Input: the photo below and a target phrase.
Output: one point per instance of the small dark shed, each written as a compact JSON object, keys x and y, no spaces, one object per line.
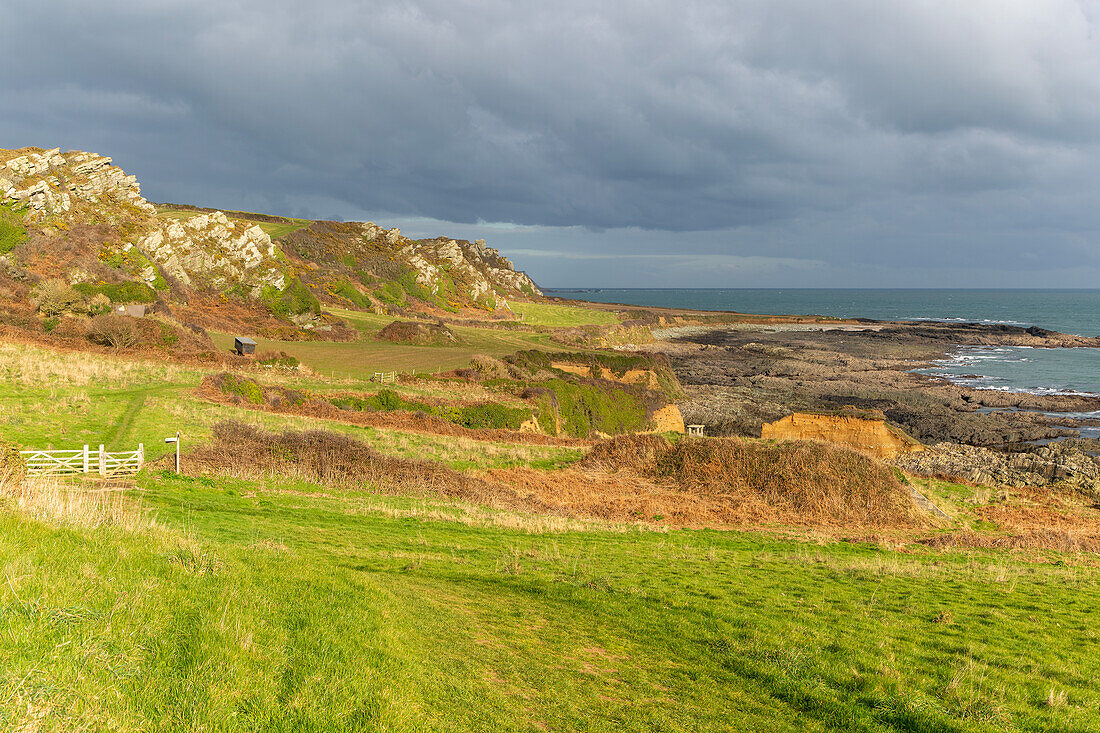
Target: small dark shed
{"x":244,"y":346}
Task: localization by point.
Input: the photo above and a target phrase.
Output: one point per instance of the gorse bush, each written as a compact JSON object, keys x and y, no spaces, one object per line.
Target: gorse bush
{"x":349,"y":292}
{"x":294,"y":300}
{"x":98,"y":305}
{"x":485,"y":416}
{"x":241,"y":387}
{"x":392,"y":293}
{"x":12,"y":231}
{"x":586,"y":408}
{"x":277,"y":358}
{"x":55,"y":297}
{"x":125,"y":292}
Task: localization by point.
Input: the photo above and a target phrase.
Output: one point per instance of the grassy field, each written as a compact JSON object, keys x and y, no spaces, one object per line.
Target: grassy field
{"x":547,"y":314}
{"x":362,"y":358}
{"x":288,"y":607}
{"x":66,"y":400}
{"x":170,"y":602}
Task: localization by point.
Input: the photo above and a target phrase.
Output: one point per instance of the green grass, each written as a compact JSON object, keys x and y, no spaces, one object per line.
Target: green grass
{"x":12,"y":231}
{"x":288,"y":607}
{"x":362,"y":358}
{"x":546,"y":314}
{"x":45,"y":404}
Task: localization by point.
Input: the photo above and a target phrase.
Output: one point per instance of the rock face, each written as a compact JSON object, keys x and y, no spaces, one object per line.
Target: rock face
{"x":487,"y":276}
{"x":216,"y":251}
{"x":86,"y":221}
{"x":209,"y":250}
{"x":49,"y":182}
{"x":1046,"y":465}
{"x":366,"y":261}
{"x":869,"y":434}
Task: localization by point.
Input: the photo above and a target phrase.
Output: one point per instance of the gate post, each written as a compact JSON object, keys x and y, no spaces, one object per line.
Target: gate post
{"x":87,"y":465}
{"x":102,"y":461}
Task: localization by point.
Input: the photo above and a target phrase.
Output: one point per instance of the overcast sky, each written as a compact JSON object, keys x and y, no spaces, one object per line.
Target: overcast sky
{"x":737,"y":143}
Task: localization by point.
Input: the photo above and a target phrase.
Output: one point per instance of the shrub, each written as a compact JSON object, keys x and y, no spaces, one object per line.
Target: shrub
{"x":242,"y":387}
{"x":293,"y":300}
{"x":54,"y":297}
{"x":118,"y":332}
{"x":277,"y":358}
{"x":809,"y":481}
{"x":124,"y":292}
{"x":605,"y":407}
{"x":392,"y":293}
{"x":350,"y":293}
{"x":98,"y":305}
{"x":12,"y":231}
{"x":413,"y":332}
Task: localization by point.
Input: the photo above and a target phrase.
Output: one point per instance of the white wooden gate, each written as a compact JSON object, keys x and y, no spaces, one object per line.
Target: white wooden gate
{"x":74,"y":462}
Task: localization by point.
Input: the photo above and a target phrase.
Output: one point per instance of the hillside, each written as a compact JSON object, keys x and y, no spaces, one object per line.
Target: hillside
{"x":77,"y":226}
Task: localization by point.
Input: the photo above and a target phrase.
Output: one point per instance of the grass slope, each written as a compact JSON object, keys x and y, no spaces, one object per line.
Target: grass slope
{"x":288,"y":607}
{"x":547,"y":314}
{"x":66,"y":400}
{"x":360,"y":359}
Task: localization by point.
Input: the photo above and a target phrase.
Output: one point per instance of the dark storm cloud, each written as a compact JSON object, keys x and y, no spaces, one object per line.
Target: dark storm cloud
{"x":818,"y":137}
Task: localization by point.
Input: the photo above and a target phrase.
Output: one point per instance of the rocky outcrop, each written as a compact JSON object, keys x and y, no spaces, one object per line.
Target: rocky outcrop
{"x":360,"y":262}
{"x":483,"y":273}
{"x":214,"y":250}
{"x":48,"y":183}
{"x":1044,"y":466}
{"x":867,"y":433}
{"x":86,"y":221}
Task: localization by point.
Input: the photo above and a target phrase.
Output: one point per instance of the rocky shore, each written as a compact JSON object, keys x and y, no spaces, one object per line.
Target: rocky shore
{"x":739,"y":377}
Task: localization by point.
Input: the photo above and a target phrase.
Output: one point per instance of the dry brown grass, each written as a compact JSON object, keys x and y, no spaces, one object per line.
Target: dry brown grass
{"x":695,"y":498}
{"x":1059,"y":540}
{"x":336,"y":460}
{"x":50,"y":499}
{"x":801,"y":482}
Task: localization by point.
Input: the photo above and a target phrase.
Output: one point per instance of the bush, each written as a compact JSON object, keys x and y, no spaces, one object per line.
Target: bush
{"x":242,"y":387}
{"x":294,"y":300}
{"x":98,"y":305}
{"x":392,"y":293}
{"x":277,"y":358}
{"x":118,"y":332}
{"x":605,"y":407}
{"x":350,"y":293}
{"x":12,"y":232}
{"x":125,"y":292}
{"x":55,"y":297}
{"x":811,"y":482}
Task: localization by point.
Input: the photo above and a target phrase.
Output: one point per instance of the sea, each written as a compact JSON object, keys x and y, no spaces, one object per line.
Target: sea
{"x":1011,"y":369}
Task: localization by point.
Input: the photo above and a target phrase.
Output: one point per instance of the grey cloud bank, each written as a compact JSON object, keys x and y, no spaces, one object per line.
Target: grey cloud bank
{"x":778,"y":143}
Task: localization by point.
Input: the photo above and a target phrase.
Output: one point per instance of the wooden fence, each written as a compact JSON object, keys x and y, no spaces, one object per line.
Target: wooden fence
{"x":385,"y":377}
{"x":73,"y":462}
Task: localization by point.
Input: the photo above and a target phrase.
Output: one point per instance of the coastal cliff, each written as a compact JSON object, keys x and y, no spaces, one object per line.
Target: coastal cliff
{"x":80,"y":222}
